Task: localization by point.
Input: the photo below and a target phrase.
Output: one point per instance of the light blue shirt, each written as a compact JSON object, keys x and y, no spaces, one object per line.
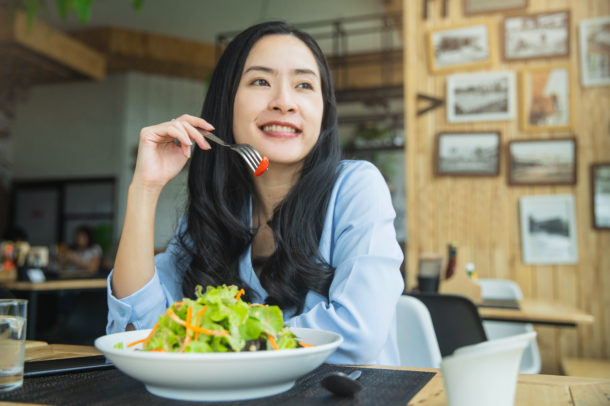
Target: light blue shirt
{"x":358,"y":239}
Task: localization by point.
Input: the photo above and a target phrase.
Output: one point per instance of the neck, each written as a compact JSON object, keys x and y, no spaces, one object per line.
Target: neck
{"x":273,"y":186}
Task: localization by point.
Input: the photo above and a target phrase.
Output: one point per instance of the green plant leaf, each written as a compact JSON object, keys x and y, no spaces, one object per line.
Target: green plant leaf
{"x":137,"y":4}
{"x":32,"y":8}
{"x":83,"y":9}
{"x":64,"y":7}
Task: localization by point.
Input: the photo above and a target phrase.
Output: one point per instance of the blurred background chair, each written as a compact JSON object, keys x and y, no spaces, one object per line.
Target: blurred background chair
{"x":503,"y":289}
{"x":456,"y":320}
{"x":417,"y":342}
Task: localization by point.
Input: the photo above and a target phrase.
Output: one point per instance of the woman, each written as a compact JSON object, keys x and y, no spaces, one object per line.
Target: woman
{"x":313,"y":235}
{"x":85,"y":254}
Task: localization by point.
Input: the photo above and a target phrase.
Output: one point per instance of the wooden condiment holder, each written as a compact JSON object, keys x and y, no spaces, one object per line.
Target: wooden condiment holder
{"x":460,"y":284}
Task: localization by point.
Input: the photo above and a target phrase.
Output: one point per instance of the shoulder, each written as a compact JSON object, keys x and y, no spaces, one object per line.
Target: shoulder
{"x":358,"y":177}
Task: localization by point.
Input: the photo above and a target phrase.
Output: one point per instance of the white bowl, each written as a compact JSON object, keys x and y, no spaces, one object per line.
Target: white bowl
{"x":218,"y":376}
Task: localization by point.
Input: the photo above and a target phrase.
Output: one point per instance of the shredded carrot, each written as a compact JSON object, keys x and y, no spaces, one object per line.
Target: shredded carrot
{"x":145,"y":340}
{"x":158,"y":350}
{"x":179,"y":304}
{"x":136,"y":342}
{"x":272,"y":341}
{"x":175,"y":318}
{"x":187,"y":337}
{"x":241,"y":292}
{"x":199,"y":314}
{"x":178,"y":320}
{"x":302,"y":344}
{"x":202,"y":330}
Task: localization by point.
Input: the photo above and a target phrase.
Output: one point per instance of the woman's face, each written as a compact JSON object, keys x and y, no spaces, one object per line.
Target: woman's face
{"x":82,"y":241}
{"x":279,"y":106}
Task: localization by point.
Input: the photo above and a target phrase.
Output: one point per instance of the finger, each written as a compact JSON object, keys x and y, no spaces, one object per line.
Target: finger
{"x":180,"y":134}
{"x":196,"y":135}
{"x":196,"y":122}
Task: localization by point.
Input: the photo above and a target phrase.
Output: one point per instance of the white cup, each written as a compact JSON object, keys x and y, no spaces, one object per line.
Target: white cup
{"x":486,"y":373}
{"x":13,"y":315}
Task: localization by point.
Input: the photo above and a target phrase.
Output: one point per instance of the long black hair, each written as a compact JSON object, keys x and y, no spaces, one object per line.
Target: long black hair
{"x":220,"y":186}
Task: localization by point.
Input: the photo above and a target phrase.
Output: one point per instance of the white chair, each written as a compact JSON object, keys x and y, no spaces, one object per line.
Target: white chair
{"x":485,"y":373}
{"x":417,"y":342}
{"x":504,"y":289}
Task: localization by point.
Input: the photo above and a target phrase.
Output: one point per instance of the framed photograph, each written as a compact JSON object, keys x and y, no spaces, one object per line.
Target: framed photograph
{"x":600,"y":195}
{"x":490,"y":6}
{"x":542,"y":162}
{"x":467,"y":154}
{"x":546,"y":94}
{"x":548,"y":230}
{"x":595,"y":51}
{"x":542,"y":35}
{"x":460,"y":47}
{"x":488,"y":96}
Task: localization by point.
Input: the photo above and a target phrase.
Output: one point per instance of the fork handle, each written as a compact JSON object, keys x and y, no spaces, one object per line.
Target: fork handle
{"x":212,"y":137}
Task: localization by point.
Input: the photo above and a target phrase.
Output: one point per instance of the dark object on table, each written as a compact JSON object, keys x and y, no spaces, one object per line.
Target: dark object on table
{"x":500,"y":303}
{"x":62,"y":366}
{"x":341,"y":384}
{"x":456,"y":320}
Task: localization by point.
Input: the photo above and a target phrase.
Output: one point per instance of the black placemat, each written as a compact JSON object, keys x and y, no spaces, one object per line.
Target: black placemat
{"x":112,"y":387}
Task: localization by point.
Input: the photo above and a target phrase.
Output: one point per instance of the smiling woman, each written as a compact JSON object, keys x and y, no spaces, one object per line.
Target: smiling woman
{"x":314,"y":235}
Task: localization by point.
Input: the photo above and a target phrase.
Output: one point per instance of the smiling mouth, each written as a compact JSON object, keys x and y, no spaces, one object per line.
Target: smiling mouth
{"x":277,"y":129}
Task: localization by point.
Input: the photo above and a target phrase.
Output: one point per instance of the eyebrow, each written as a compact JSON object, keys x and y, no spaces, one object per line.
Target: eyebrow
{"x":298,"y":71}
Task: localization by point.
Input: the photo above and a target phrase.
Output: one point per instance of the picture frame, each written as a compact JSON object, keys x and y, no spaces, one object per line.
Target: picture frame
{"x":489,"y":6}
{"x":542,"y":161}
{"x":484,"y":96}
{"x":548,"y":229}
{"x":546,"y":93}
{"x":460,"y":46}
{"x":600,"y":195}
{"x":540,"y":35}
{"x":467,"y":153}
{"x":594,"y":53}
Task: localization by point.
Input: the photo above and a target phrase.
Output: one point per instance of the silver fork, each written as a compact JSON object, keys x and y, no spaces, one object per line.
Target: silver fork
{"x":247,"y":151}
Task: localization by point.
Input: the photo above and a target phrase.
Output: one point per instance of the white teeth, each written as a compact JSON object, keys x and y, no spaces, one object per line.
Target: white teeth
{"x":279,"y":128}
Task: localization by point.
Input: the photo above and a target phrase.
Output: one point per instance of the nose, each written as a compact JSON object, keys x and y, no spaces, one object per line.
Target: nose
{"x":283,"y":100}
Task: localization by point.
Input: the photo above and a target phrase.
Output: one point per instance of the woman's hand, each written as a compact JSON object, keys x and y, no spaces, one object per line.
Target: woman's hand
{"x":164,"y":149}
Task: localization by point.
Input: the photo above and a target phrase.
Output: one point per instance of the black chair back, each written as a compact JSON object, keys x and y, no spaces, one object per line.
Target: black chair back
{"x":456,"y":320}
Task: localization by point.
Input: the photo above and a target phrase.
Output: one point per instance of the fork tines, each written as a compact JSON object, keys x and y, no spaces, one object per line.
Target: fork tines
{"x":249,"y":154}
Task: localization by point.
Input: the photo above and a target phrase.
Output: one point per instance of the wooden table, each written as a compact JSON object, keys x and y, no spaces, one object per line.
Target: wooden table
{"x":535,"y":390}
{"x":34,"y":288}
{"x":538,"y":312}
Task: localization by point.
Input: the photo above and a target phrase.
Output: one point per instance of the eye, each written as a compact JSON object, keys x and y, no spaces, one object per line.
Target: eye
{"x":259,"y":82}
{"x":305,"y":85}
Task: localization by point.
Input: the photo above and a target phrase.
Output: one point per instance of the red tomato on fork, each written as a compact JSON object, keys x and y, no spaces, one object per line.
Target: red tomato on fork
{"x":262,"y":167}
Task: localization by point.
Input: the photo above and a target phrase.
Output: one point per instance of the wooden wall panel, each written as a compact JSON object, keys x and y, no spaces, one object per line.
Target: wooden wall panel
{"x":481,"y":215}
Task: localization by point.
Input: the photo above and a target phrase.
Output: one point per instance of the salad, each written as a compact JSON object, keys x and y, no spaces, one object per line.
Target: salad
{"x":219,"y":321}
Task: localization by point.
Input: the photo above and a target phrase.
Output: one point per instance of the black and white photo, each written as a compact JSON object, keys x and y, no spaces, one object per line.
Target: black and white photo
{"x":472,"y":153}
{"x":548,"y":229}
{"x":486,"y":96}
{"x":595,"y":51}
{"x":459,"y":47}
{"x":541,"y":35}
{"x":542,"y":162}
{"x":600,"y":191}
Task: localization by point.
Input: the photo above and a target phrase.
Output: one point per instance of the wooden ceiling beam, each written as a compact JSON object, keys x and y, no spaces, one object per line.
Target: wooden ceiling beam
{"x":129,"y":50}
{"x":39,"y":40}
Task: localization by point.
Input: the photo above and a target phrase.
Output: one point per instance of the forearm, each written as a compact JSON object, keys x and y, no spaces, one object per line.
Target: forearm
{"x":134,"y":264}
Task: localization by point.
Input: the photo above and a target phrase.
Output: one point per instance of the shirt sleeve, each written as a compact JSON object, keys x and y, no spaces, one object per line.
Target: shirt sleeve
{"x":366,"y":256}
{"x":143,"y":307}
